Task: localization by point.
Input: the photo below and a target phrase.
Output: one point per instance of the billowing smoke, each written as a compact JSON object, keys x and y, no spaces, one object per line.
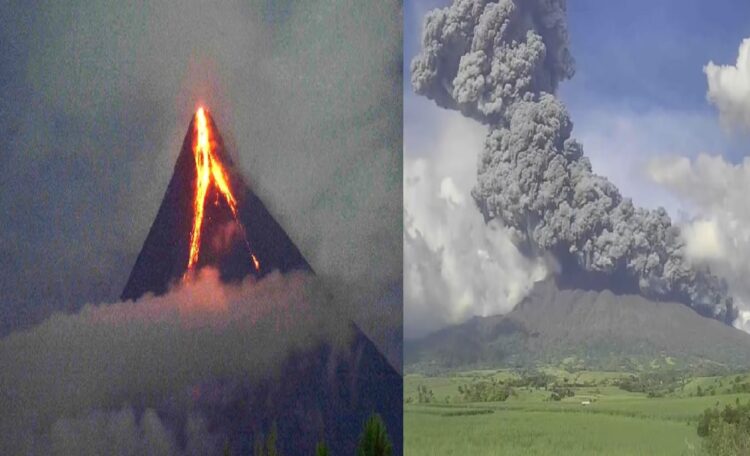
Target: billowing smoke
{"x":483,"y":57}
{"x":92,"y":382}
{"x":500,"y":63}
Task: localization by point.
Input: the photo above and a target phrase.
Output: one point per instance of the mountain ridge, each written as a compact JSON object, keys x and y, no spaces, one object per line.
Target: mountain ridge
{"x":598,"y":329}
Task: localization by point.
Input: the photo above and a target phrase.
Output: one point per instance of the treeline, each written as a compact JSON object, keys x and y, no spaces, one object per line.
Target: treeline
{"x":374,"y":441}
{"x":658,"y":384}
{"x":491,"y":390}
{"x":737,"y":385}
{"x":654,"y":384}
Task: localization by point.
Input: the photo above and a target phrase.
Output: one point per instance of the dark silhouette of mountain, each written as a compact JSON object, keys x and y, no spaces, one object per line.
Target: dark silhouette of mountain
{"x":321,"y":393}
{"x":592,"y":329}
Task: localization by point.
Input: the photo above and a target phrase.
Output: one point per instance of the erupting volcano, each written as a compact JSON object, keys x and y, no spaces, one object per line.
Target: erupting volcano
{"x":209,"y":216}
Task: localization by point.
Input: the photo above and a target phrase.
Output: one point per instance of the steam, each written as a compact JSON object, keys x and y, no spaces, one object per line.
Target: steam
{"x":500,"y":63}
{"x":73,"y":381}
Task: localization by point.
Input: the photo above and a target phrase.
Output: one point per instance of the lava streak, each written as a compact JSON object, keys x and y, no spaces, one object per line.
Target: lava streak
{"x":209,"y":170}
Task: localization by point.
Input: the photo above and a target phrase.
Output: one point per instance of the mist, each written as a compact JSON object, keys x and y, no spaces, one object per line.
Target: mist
{"x":77,"y":380}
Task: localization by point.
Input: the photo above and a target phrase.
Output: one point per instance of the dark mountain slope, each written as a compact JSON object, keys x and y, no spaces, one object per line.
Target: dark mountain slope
{"x":599,"y":329}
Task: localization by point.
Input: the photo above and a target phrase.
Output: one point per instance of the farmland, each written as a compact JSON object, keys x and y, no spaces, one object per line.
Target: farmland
{"x":560,"y":412}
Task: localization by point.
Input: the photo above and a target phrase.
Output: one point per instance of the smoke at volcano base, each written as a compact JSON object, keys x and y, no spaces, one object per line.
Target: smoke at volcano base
{"x":500,"y":63}
{"x":76,"y":379}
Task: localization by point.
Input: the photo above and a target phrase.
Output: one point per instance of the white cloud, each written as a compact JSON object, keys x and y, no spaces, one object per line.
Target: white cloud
{"x":743,"y":321}
{"x":704,"y":240}
{"x":729,"y":88}
{"x":620,"y":142}
{"x":455,"y":265}
{"x":719,"y":232}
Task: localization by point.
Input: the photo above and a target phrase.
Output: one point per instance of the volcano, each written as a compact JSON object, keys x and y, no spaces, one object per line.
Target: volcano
{"x":599,"y":330}
{"x":210,"y":217}
{"x":237,"y":234}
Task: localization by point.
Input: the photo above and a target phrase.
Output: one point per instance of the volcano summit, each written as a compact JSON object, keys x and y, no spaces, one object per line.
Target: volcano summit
{"x":209,"y":216}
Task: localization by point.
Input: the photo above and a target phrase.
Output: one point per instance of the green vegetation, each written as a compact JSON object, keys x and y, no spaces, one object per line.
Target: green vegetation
{"x":492,"y":390}
{"x":561,"y":411}
{"x":321,"y":449}
{"x":726,"y":431}
{"x":424,"y":395}
{"x":374,"y":440}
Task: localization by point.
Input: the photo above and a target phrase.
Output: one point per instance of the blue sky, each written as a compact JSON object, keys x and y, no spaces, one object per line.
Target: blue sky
{"x":639,"y":89}
{"x":639,"y":51}
{"x":651,"y":53}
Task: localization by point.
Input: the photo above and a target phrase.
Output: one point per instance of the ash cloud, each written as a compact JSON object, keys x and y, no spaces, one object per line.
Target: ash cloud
{"x":481,"y":57}
{"x":500,"y":63}
{"x":89,"y":382}
{"x":306,"y":95}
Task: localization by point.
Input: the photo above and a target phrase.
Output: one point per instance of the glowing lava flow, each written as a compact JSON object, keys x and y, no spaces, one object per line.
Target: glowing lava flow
{"x":209,"y":170}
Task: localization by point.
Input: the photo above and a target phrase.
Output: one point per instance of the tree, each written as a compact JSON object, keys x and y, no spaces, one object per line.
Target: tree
{"x":374,"y":440}
{"x":259,"y":448}
{"x":267,"y":448}
{"x":271,"y":442}
{"x":321,"y":449}
{"x":491,"y":390}
{"x":424,"y":395}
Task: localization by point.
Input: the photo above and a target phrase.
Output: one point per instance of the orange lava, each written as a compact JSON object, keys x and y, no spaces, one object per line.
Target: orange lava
{"x":209,"y":170}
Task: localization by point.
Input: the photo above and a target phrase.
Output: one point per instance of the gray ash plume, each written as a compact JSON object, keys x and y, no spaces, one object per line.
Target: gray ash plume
{"x":500,"y":62}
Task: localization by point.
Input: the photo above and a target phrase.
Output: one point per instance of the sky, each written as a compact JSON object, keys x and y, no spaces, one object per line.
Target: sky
{"x":638,"y":102}
{"x":97,"y":99}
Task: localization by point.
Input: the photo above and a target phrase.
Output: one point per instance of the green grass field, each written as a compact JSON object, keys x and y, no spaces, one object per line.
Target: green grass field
{"x":616,"y":422}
